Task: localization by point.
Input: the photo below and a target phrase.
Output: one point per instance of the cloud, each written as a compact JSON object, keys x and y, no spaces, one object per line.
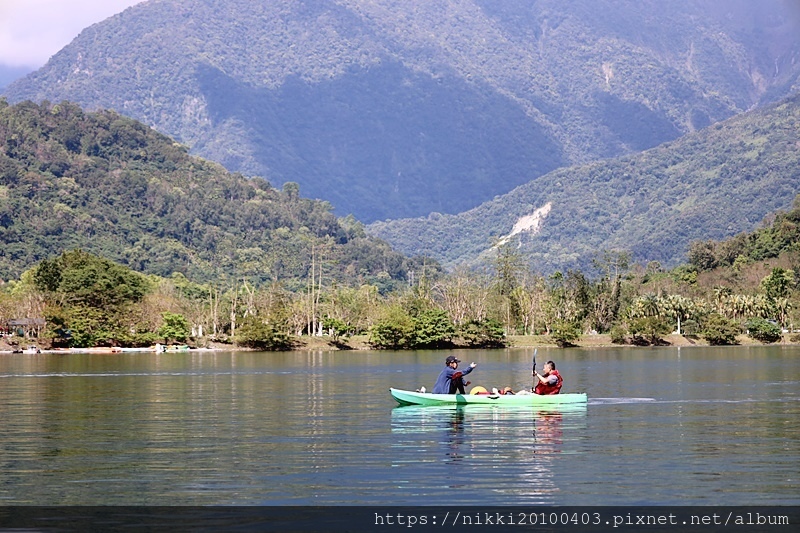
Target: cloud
{"x":31,"y":31}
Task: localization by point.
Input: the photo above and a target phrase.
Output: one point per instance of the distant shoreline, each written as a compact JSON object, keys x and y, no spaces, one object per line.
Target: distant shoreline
{"x":360,"y":343}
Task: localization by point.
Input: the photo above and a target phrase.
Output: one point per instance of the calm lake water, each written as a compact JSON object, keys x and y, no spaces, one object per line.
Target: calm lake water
{"x":664,"y":426}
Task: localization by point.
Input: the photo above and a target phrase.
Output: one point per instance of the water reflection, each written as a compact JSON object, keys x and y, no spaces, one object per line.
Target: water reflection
{"x":548,"y":433}
{"x":321,"y":429}
{"x":521,"y":442}
{"x":454,"y":438}
{"x":445,"y":423}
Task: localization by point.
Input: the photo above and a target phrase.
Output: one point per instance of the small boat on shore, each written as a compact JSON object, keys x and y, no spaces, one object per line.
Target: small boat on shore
{"x":161,"y":348}
{"x":178,"y":348}
{"x":404,"y":397}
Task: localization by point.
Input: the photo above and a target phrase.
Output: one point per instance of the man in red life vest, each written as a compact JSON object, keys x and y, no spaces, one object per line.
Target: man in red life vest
{"x":550,"y":381}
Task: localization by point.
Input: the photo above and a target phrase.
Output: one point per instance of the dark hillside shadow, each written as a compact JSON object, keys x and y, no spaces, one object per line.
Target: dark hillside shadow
{"x":386,"y":141}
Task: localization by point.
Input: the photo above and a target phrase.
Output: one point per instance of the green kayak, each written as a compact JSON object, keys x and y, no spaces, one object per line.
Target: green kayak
{"x":405,"y":397}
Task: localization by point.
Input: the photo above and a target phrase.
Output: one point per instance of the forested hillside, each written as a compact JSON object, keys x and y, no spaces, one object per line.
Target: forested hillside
{"x":744,"y":284}
{"x":112,"y":186}
{"x":780,"y":236}
{"x":713,"y":184}
{"x":394,"y":108}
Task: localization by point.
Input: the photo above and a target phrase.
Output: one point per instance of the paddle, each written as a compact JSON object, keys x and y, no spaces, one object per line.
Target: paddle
{"x":533,"y":371}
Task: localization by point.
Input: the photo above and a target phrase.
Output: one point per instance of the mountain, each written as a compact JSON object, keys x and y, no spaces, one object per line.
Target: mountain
{"x":9,"y":74}
{"x":399,"y":108}
{"x":114,"y":187}
{"x":709,"y":184}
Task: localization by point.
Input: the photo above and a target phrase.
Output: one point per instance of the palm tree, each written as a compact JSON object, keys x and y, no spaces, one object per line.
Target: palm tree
{"x":677,"y":307}
{"x":721,"y":295}
{"x":644,"y":306}
{"x":651,"y":305}
{"x":761,"y":306}
{"x":782,"y":308}
{"x":736,"y":305}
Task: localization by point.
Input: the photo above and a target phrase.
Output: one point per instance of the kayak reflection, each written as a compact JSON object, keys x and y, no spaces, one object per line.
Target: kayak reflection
{"x":548,"y":432}
{"x":541,"y":428}
{"x":523,"y":444}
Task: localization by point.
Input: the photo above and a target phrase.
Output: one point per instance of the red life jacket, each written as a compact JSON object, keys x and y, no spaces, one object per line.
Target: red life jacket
{"x":543,"y":388}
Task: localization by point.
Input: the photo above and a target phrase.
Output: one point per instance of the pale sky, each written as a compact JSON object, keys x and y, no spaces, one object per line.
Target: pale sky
{"x":32,"y":31}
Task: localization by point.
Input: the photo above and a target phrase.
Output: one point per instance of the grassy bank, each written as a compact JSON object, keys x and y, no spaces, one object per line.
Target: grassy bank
{"x":361,"y":342}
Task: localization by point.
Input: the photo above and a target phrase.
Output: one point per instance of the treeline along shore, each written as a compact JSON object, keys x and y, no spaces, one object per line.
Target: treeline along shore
{"x":740,"y":290}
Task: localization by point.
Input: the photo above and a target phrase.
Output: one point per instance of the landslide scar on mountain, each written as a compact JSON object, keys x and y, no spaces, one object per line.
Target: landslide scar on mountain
{"x":529,"y":223}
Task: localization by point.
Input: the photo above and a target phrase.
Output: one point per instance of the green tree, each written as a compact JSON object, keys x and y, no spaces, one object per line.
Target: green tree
{"x":175,"y":327}
{"x":395,"y":330}
{"x":718,"y":330}
{"x":335,"y":327}
{"x":89,"y":298}
{"x":618,"y":334}
{"x":487,"y":333}
{"x":778,"y":284}
{"x":47,"y":276}
{"x":702,"y":255}
{"x":86,"y":279}
{"x":650,"y":328}
{"x":433,"y":329}
{"x":85,"y":326}
{"x":257,"y":334}
{"x":763,"y":330}
{"x":564,"y":333}
{"x":685,"y":274}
